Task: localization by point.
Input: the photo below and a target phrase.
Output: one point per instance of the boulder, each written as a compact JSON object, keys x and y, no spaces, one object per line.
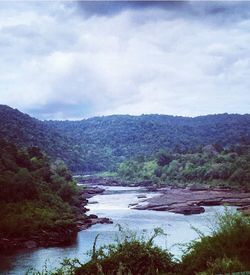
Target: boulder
{"x":141,"y":196}
{"x":161,"y":208}
{"x":94,"y":190}
{"x":132,"y":204}
{"x":198,"y":187}
{"x":210,"y":202}
{"x":92,"y":216}
{"x":188,"y":210}
{"x":105,"y":220}
{"x":89,"y":192}
{"x":152,"y":189}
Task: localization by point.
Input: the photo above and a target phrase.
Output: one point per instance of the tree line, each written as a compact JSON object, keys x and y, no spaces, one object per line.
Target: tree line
{"x":101,"y":143}
{"x":210,"y":164}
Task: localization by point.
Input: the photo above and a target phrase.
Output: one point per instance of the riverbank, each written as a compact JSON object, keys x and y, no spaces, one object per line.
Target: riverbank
{"x":113,"y":203}
{"x":187,"y":200}
{"x":60,"y":235}
{"x":112,"y":181}
{"x":131,"y":254}
{"x":86,"y":221}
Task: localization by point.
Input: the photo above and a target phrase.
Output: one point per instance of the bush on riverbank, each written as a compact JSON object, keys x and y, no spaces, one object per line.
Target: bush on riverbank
{"x":227,"y":248}
{"x":130,"y":255}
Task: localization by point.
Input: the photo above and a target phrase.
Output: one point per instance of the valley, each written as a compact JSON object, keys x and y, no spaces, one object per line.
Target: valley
{"x":63,"y":183}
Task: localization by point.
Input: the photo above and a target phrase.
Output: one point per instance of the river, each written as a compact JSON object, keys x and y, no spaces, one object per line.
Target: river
{"x":114,"y":204}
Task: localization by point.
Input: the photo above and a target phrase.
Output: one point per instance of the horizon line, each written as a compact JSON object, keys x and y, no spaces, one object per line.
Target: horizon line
{"x":130,"y":115}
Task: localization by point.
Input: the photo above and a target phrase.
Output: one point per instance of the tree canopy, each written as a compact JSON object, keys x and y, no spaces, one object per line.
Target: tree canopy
{"x":35,"y":193}
{"x":100,"y":143}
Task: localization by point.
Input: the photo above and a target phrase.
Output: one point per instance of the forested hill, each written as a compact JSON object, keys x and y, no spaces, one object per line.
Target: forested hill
{"x":25,"y":131}
{"x":100,"y":143}
{"x":132,"y":135}
{"x":37,"y":196}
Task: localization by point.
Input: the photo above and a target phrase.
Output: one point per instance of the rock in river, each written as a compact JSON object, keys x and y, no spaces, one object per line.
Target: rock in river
{"x":188,"y":210}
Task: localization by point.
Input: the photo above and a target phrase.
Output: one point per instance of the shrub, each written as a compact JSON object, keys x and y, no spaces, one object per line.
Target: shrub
{"x":131,"y":255}
{"x":230,"y":239}
{"x":222,"y":266}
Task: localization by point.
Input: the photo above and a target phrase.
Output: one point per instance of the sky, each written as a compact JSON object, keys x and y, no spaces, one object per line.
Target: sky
{"x":74,"y":60}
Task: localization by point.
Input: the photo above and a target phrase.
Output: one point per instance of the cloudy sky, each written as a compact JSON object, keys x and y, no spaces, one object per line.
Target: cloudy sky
{"x":72,"y":60}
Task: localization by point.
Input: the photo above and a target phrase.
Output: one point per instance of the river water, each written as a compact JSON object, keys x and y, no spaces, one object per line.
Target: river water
{"x":114,"y":204}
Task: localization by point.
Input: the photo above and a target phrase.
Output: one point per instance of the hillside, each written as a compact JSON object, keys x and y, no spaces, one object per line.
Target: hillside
{"x":132,"y":135}
{"x":37,"y":197}
{"x":24,"y":131}
{"x":100,"y":143}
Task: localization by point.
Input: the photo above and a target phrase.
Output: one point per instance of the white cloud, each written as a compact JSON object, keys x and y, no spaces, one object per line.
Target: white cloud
{"x":61,"y":64}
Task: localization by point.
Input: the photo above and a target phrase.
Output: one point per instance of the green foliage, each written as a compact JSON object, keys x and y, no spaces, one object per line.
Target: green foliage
{"x":223,"y":266}
{"x":129,"y":255}
{"x":35,"y":195}
{"x":164,"y":158}
{"x":226,"y":168}
{"x":228,"y":248}
{"x":106,"y":174}
{"x":99,"y":143}
{"x":136,"y":170}
{"x":29,"y":217}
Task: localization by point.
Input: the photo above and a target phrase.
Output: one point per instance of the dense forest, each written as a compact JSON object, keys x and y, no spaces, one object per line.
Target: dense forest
{"x":211,"y":164}
{"x":36,"y":194}
{"x":113,"y":139}
{"x":25,"y":131}
{"x":99,"y":144}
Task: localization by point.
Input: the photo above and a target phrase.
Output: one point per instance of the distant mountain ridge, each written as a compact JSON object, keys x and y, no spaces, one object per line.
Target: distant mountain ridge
{"x":99,"y":143}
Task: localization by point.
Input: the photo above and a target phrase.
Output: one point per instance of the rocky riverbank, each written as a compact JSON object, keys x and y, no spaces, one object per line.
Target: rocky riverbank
{"x":192,"y":201}
{"x":61,"y":235}
{"x":187,"y":200}
{"x":110,"y":181}
{"x":85,"y":221}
